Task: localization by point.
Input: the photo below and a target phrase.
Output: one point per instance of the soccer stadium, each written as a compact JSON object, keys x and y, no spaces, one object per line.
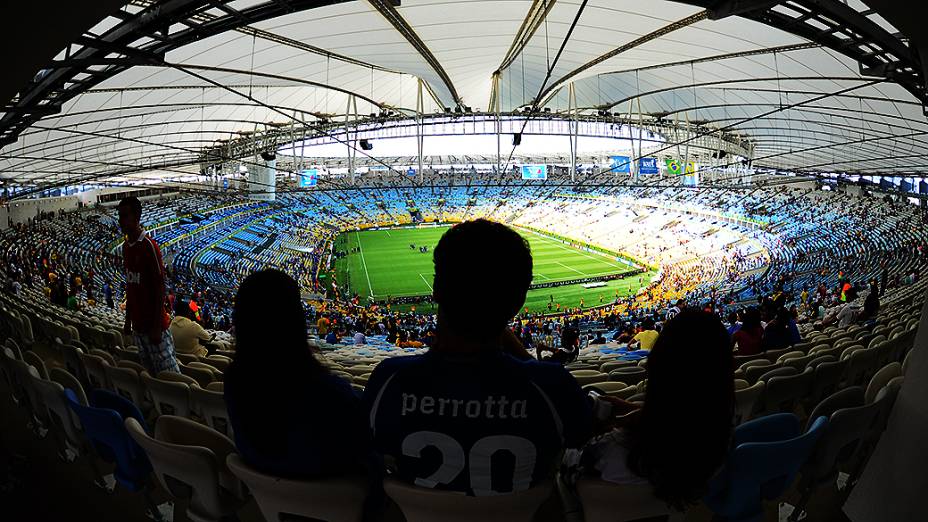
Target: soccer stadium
{"x":522,"y":260}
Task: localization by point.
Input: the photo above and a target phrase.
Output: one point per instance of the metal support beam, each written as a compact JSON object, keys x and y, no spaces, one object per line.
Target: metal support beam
{"x":837,"y":26}
{"x":350,"y":139}
{"x":573,"y":126}
{"x":386,"y":8}
{"x":533,"y":19}
{"x":663,"y":31}
{"x":149,"y":26}
{"x":420,"y":137}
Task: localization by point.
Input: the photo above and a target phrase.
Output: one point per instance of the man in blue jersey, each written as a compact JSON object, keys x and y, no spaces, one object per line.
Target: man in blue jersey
{"x":467,"y":416}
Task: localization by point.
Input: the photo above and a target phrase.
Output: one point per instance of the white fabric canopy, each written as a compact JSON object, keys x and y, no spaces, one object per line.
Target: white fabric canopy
{"x":803,"y":107}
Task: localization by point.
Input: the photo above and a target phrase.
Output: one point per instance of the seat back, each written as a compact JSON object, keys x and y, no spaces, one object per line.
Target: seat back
{"x":745,"y":401}
{"x":169,"y":397}
{"x":211,"y":406}
{"x":95,"y":365}
{"x":69,"y":382}
{"x":123,"y":363}
{"x":177,"y":377}
{"x":73,"y":363}
{"x":887,"y":352}
{"x":202,"y":376}
{"x":778,"y":372}
{"x":799,"y":363}
{"x":753,"y":373}
{"x":104,"y":429}
{"x":103,"y":354}
{"x":32,"y":359}
{"x":126,"y":382}
{"x":220,"y":362}
{"x":758,"y":471}
{"x":847,"y":398}
{"x":880,"y":379}
{"x":846,"y":432}
{"x":861,"y":367}
{"x":606,"y":388}
{"x":186,"y":358}
{"x":608,"y":502}
{"x":790,"y":355}
{"x":784,"y":392}
{"x":422,"y":504}
{"x":827,"y":379}
{"x":189,"y":461}
{"x":608,"y":366}
{"x":23,"y":376}
{"x":9,"y":374}
{"x":590,"y":378}
{"x":333,"y":499}
{"x":816,"y":360}
{"x":774,"y":355}
{"x":743,"y":362}
{"x":631,"y":375}
{"x":51,"y":396}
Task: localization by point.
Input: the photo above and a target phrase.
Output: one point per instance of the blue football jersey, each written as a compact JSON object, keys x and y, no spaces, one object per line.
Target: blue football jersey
{"x":483,"y":426}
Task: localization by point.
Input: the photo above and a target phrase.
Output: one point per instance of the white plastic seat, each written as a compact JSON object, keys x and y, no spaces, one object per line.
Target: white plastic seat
{"x":211,"y":407}
{"x":589,"y":378}
{"x":612,"y":388}
{"x":169,"y":397}
{"x":427,"y":505}
{"x":36,"y":362}
{"x":880,"y":379}
{"x":189,"y":460}
{"x":607,"y":502}
{"x":127,"y":383}
{"x":334,"y":499}
{"x":94,"y":365}
{"x":745,"y":401}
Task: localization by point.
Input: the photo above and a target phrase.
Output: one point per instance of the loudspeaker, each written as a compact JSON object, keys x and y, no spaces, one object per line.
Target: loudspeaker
{"x":365,"y":145}
{"x":268,"y":156}
{"x":517,"y":139}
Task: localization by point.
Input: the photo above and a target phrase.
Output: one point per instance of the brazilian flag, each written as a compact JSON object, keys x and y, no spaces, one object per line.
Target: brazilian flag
{"x":674,"y":166}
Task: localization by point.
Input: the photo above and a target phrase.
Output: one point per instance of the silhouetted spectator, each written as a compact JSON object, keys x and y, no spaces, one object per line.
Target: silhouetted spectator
{"x":490,"y":423}
{"x":692,"y":353}
{"x":290,"y":416}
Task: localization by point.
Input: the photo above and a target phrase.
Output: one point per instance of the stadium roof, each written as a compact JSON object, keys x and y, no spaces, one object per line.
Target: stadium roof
{"x":150,"y":86}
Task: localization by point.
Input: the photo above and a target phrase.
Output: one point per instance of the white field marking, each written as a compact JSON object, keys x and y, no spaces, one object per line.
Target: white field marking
{"x":370,"y":288}
{"x":602,"y":259}
{"x":426,"y":281}
{"x":572,"y":268}
{"x":536,"y":274}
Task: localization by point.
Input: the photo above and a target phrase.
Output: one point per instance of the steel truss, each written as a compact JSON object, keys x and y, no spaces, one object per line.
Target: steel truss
{"x":839,"y":27}
{"x":140,"y":38}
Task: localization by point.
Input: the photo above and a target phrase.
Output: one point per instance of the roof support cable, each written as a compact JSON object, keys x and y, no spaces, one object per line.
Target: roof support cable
{"x":534,"y":108}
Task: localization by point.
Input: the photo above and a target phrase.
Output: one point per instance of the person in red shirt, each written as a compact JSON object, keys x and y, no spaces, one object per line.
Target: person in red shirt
{"x":146,"y":316}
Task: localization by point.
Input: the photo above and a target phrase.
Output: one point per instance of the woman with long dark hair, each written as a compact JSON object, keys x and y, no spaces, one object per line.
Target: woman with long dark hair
{"x":679,"y":439}
{"x":289,"y":415}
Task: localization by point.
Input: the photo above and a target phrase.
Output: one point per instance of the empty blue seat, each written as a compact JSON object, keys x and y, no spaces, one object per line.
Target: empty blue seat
{"x":103,"y":425}
{"x":767,"y":455}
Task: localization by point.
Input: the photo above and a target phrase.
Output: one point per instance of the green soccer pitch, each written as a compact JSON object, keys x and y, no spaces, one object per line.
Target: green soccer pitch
{"x":382,"y":264}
